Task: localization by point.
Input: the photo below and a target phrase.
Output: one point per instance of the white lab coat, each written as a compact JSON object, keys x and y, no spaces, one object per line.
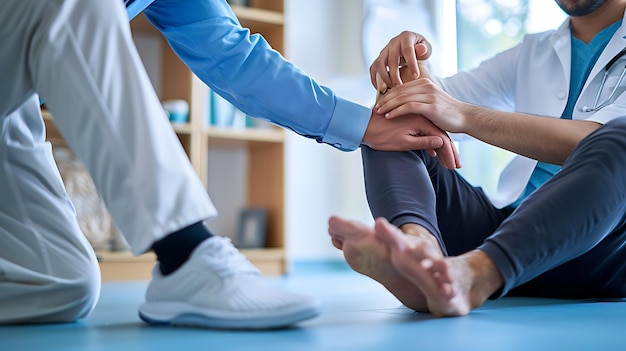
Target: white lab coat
{"x":533,"y":78}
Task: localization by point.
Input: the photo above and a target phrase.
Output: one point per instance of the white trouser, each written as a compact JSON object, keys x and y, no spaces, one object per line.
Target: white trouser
{"x":78,"y":55}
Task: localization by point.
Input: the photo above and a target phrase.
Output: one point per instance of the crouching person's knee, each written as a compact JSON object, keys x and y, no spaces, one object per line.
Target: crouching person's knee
{"x":27,"y":296}
{"x":75,"y":299}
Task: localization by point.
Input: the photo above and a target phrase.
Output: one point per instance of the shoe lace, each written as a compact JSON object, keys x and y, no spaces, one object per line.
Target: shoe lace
{"x":226,"y":260}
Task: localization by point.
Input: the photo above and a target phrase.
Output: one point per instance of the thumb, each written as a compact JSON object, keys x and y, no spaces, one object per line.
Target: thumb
{"x":421,"y":51}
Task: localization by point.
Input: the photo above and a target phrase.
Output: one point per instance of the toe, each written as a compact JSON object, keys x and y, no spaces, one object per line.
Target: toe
{"x":390,"y":234}
{"x":338,"y":243}
{"x":337,"y":226}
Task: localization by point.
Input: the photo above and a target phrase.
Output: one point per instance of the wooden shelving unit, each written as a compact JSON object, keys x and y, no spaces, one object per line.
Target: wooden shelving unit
{"x":264,"y":147}
{"x":122,"y":265}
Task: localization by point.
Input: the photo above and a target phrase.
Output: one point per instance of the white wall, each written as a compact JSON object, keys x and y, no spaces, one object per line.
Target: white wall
{"x":322,"y":38}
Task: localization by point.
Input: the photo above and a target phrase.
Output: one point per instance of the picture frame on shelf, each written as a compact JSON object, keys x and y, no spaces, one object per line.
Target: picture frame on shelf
{"x":252,"y":228}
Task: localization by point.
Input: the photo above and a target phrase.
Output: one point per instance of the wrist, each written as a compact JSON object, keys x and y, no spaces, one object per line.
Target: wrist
{"x":467,"y":114}
{"x":369,"y":130}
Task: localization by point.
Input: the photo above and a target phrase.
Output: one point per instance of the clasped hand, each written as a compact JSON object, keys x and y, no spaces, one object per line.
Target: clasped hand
{"x":411,"y":132}
{"x":418,"y":110}
{"x":425,"y":98}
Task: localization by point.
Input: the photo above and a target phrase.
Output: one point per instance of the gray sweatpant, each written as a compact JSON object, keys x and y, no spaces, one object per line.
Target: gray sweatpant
{"x":566,"y":240}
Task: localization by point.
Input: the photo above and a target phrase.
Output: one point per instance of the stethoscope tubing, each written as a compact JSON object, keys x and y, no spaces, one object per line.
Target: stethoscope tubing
{"x":607,"y":68}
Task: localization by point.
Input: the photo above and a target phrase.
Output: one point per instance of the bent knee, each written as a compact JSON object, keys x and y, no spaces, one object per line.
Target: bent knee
{"x":75,"y":296}
{"x":606,"y":144}
{"x":78,"y":299}
{"x":614,"y":128}
{"x":40,"y":298}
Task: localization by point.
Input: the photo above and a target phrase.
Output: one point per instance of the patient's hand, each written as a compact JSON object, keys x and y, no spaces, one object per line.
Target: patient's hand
{"x":382,"y":87}
{"x":411,"y":132}
{"x":407,"y":49}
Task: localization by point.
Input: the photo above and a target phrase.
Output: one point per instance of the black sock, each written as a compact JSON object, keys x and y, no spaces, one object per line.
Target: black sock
{"x":174,"y":249}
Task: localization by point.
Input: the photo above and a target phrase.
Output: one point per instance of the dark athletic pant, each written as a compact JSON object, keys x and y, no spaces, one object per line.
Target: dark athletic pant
{"x":566,"y":240}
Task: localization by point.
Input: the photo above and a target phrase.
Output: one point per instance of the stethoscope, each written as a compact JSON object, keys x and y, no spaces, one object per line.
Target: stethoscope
{"x":598,"y":106}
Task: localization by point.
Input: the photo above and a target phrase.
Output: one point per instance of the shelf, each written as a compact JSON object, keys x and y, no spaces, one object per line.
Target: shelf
{"x":258,"y":15}
{"x":122,"y":265}
{"x":182,"y":128}
{"x":271,"y":261}
{"x":248,"y":16}
{"x":47,"y":116}
{"x":230,"y":136}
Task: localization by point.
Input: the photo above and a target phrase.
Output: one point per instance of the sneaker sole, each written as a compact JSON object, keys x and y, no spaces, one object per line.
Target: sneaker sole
{"x":184,"y":315}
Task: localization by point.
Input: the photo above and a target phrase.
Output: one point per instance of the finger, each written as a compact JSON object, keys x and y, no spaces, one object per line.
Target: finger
{"x":407,"y":75}
{"x":379,"y":67}
{"x":447,"y":155}
{"x":393,"y":61}
{"x":423,"y":70}
{"x":409,"y":108}
{"x":422,"y":50}
{"x":410,"y":58}
{"x":444,"y":159}
{"x":457,"y":159}
{"x":381,"y":86}
{"x":410,"y":91}
{"x":429,"y":142}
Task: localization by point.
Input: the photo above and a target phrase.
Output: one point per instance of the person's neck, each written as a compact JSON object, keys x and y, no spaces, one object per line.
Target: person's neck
{"x":586,"y":27}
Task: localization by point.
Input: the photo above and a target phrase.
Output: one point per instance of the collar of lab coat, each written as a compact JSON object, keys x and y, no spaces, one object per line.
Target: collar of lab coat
{"x":562,"y":44}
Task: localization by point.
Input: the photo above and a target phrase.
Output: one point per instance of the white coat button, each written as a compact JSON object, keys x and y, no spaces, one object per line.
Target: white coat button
{"x":561,"y":95}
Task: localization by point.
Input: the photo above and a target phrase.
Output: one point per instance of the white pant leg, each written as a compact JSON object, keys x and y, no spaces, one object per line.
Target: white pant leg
{"x":84,"y":64}
{"x":48,"y":271}
{"x":79,"y":56}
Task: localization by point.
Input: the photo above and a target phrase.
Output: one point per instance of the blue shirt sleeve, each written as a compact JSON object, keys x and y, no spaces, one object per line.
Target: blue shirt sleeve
{"x":246,"y":71}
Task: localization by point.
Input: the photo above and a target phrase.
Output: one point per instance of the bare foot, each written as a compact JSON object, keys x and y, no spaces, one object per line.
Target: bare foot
{"x":453,"y":286}
{"x":369,"y":256}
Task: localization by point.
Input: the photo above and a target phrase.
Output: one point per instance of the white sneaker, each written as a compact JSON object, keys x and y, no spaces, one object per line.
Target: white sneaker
{"x":219,"y":288}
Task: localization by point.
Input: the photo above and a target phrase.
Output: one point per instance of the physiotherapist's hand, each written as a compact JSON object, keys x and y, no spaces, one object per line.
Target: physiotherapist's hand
{"x":406,"y":49}
{"x":411,"y":132}
{"x":425,"y":98}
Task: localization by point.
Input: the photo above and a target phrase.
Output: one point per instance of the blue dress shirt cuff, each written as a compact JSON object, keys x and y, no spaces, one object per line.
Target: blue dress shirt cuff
{"x":347,"y":125}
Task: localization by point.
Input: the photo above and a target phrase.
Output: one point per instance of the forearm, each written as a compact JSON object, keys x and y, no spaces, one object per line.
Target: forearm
{"x":544,"y":139}
{"x":245,"y":70}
